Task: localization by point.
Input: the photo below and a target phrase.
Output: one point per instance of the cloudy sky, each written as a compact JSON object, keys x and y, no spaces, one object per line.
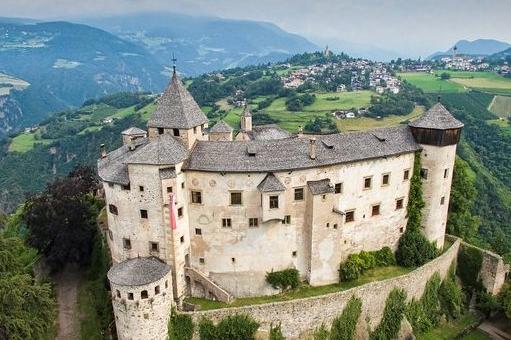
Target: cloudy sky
{"x":411,"y":27}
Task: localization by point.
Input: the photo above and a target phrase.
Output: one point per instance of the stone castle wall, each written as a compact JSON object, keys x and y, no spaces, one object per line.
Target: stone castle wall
{"x":303,"y":315}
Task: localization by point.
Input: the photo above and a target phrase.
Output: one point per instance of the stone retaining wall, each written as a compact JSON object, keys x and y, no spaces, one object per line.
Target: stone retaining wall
{"x":302,"y":315}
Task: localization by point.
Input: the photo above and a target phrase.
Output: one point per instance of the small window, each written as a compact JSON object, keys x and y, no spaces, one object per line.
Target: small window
{"x":169,"y":190}
{"x":233,"y":259}
{"x":183,"y":185}
{"x":175,"y":132}
{"x":197,"y":197}
{"x":338,"y":188}
{"x":375,"y":211}
{"x":253,"y":222}
{"x":141,"y":188}
{"x":293,"y":253}
{"x":180,"y":212}
{"x":367,"y":182}
{"x":299,"y":194}
{"x":110,"y":235}
{"x":194,"y":129}
{"x":126,"y":243}
{"x":198,"y":231}
{"x":161,"y":131}
{"x":350,"y":216}
{"x":182,"y":239}
{"x":126,"y":187}
{"x":130,"y":296}
{"x":424,"y":173}
{"x":154,"y":246}
{"x":385,"y":180}
{"x":287,"y":219}
{"x":156,"y":290}
{"x":113,"y":209}
{"x":235,"y":198}
{"x":446,"y":173}
{"x":110,"y":185}
{"x":143,"y":294}
{"x":328,"y":225}
{"x":335,"y":226}
{"x":143,"y":213}
{"x":442,"y":200}
{"x":118,"y":293}
{"x":226,"y":223}
{"x":201,"y":260}
{"x":399,"y":203}
{"x":401,"y":230}
{"x":406,"y":175}
{"x":274,"y":202}
{"x":166,"y":284}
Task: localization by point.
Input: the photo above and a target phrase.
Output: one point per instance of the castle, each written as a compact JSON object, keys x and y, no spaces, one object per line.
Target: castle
{"x":200,"y":212}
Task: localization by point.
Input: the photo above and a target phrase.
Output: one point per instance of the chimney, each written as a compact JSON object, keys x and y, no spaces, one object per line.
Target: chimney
{"x":102,"y":148}
{"x":312,"y":148}
{"x":131,"y":144}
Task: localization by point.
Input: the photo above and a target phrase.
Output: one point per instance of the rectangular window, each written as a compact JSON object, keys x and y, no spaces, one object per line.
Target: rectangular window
{"x":442,"y":200}
{"x":375,"y":210}
{"x":406,"y":175}
{"x":350,"y":216}
{"x":274,"y":202}
{"x":367,"y":182}
{"x":194,"y":129}
{"x":182,"y":239}
{"x":161,"y":131}
{"x":143,"y":213}
{"x":446,"y":173}
{"x":130,"y":296}
{"x":235,"y":198}
{"x":180,"y":212}
{"x":141,"y":188}
{"x":143,"y":294}
{"x":198,"y":231}
{"x":113,"y":209}
{"x":299,"y":194}
{"x":126,"y":187}
{"x":335,"y":225}
{"x":197,"y":197}
{"x":253,"y":222}
{"x":201,"y":260}
{"x":338,"y":188}
{"x":399,"y":203}
{"x":175,"y":132}
{"x":110,"y":185}
{"x":287,"y":219}
{"x":154,"y":247}
{"x":183,"y":185}
{"x":424,"y":173}
{"x":126,"y":243}
{"x":156,"y":290}
{"x":293,"y":253}
{"x":385,"y":180}
{"x":226,"y":223}
{"x":169,"y":190}
{"x":118,"y":293}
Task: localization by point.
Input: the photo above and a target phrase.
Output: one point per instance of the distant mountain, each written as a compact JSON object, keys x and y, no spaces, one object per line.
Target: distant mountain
{"x":204,"y":44}
{"x":481,"y":47}
{"x":502,"y":55}
{"x":360,"y":50}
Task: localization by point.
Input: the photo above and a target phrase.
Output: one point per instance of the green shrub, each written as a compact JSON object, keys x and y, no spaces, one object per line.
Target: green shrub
{"x":276,"y":333}
{"x":180,"y":326}
{"x":232,"y":327}
{"x":357,"y":264}
{"x":393,"y":313}
{"x":451,"y":297}
{"x":504,"y":299}
{"x":414,"y":249}
{"x":470,"y":261}
{"x":419,"y":320}
{"x":351,"y":269}
{"x":384,"y":257}
{"x":430,"y":300}
{"x":344,"y":326}
{"x":487,"y":303}
{"x":321,"y":333}
{"x":367,"y":260}
{"x":284,"y":279}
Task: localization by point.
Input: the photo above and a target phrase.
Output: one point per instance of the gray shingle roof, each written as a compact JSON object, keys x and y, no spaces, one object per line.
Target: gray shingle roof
{"x":113,"y":168}
{"x":271,"y":184}
{"x":322,"y":186}
{"x":138,"y":271}
{"x":167,"y":173}
{"x":161,"y":150}
{"x":133,"y":131}
{"x":438,"y":118}
{"x":293,"y":153}
{"x":266,"y":132}
{"x":222,"y":127}
{"x":176,"y":108}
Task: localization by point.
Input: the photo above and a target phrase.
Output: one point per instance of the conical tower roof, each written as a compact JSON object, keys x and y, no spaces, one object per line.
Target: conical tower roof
{"x":438,"y":118}
{"x":176,"y":109}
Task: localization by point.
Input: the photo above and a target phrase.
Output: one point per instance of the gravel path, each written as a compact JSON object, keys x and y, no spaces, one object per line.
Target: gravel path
{"x":67,"y":283}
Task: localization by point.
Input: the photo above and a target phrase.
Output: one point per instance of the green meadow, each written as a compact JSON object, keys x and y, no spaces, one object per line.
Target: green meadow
{"x":431,"y":84}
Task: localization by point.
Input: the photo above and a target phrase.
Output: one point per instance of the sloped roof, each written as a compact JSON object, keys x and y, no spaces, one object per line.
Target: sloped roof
{"x":161,"y":150}
{"x":438,"y":118}
{"x":322,"y":186}
{"x":221,"y":127}
{"x":138,"y":271}
{"x":176,"y":108}
{"x":271,"y":184}
{"x":133,"y":131}
{"x":266,"y":132}
{"x":293,"y":153}
{"x":113,"y":168}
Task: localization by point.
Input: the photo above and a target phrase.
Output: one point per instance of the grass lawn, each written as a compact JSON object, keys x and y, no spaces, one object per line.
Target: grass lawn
{"x":25,"y":142}
{"x":451,"y":329}
{"x":376,"y":274}
{"x":366,"y":123}
{"x":501,"y":105}
{"x":429,"y":83}
{"x":484,"y":81}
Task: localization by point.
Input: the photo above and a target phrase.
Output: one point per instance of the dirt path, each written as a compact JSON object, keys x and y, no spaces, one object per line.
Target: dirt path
{"x":67,"y":283}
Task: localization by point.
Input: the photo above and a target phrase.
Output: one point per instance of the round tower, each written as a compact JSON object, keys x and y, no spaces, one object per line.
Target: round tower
{"x":438,"y":133}
{"x":141,"y":298}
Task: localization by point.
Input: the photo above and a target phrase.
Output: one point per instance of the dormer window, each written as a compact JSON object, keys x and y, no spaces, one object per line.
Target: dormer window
{"x":175,"y":132}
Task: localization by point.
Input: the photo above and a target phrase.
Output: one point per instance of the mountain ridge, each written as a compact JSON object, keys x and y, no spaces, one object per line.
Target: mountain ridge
{"x":478,"y":47}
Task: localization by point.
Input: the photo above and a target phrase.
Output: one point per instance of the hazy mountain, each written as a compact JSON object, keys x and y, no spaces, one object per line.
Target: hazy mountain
{"x":360,"y":50}
{"x":481,"y":47}
{"x":204,"y":44}
{"x":502,"y":55}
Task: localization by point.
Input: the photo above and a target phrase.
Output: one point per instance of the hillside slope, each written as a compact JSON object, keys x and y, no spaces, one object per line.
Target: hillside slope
{"x":482,"y":47}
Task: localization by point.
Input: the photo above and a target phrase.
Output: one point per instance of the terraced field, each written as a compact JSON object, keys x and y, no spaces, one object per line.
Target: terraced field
{"x":501,"y":105}
{"x":431,"y":84}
